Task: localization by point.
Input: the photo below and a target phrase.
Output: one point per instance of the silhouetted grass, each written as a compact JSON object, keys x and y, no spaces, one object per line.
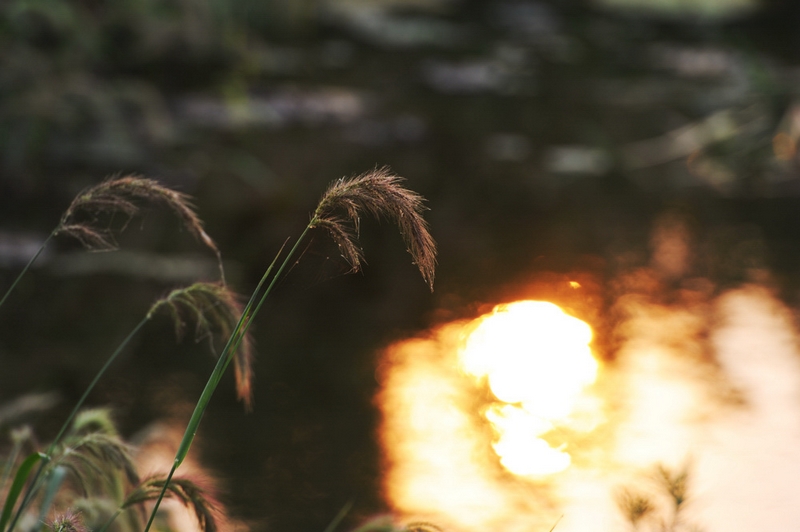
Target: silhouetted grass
{"x":118,"y":195}
{"x":87,"y":457}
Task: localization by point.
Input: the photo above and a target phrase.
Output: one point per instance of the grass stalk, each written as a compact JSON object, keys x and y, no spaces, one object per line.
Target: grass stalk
{"x":27,"y":267}
{"x":34,"y":485}
{"x":94,"y":382}
{"x":110,"y":520}
{"x":18,"y":438}
{"x":378,"y":193}
{"x":21,"y":477}
{"x":339,"y":517}
{"x":224,"y":359}
{"x":174,"y":468}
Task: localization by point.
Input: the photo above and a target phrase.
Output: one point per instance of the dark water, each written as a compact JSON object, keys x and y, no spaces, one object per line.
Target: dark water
{"x":547,"y":138}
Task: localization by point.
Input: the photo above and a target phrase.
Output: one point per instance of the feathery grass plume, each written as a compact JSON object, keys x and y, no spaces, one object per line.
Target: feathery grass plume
{"x":213,"y":307}
{"x":118,"y":195}
{"x":676,"y":484}
{"x":380,"y":194}
{"x":634,"y":506}
{"x":91,"y":421}
{"x":97,"y":456}
{"x":68,"y":522}
{"x":186,"y":491}
{"x":99,"y":463}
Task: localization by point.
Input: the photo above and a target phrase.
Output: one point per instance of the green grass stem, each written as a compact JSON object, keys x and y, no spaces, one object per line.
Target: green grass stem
{"x":11,"y":460}
{"x":94,"y":382}
{"x":161,"y":495}
{"x":248,"y":314}
{"x":336,"y":521}
{"x":110,"y":520}
{"x":27,"y":267}
{"x":20,"y":479}
{"x":378,"y":193}
{"x":47,"y":456}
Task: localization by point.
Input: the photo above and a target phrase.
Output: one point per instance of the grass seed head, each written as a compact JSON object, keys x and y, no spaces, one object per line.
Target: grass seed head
{"x":676,"y":483}
{"x":95,"y":457}
{"x":634,"y":506}
{"x":119,"y":195}
{"x":380,"y":194}
{"x":188,"y":492}
{"x":68,"y":522}
{"x":215,"y":309}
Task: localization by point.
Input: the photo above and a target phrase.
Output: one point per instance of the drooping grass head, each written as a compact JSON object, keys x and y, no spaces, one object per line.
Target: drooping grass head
{"x":380,"y":194}
{"x":120,"y":195}
{"x":215,"y":310}
{"x":186,"y":491}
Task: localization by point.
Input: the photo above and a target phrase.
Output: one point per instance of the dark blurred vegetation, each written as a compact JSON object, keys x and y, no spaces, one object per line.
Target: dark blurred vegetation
{"x":548,"y":136}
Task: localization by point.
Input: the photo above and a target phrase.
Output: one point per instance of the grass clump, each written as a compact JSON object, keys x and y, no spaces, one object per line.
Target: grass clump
{"x":87,"y":455}
{"x":378,"y":193}
{"x":93,"y":475}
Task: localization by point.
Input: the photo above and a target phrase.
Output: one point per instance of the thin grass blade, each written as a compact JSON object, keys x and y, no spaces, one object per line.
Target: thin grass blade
{"x":219,"y":369}
{"x":19,"y":437}
{"x":49,"y":453}
{"x":339,"y":516}
{"x":20,"y":479}
{"x":53,"y":485}
{"x":91,"y":386}
{"x":26,"y":268}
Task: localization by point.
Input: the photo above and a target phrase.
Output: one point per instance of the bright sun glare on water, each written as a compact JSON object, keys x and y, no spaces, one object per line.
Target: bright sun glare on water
{"x":498,"y":424}
{"x":537,"y":361}
{"x":450,"y":449}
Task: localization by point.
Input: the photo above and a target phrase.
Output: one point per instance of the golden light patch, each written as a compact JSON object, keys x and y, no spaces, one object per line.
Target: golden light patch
{"x":537,"y":361}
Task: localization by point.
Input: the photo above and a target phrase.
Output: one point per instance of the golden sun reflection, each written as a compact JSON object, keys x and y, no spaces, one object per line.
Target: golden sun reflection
{"x":537,"y":362}
{"x":480,"y":414}
{"x":498,"y":423}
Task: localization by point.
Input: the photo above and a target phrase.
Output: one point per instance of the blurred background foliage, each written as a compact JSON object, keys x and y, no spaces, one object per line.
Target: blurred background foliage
{"x":548,"y":136}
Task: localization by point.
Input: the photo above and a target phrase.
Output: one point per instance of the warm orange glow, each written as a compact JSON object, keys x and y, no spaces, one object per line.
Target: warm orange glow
{"x":439,"y":462}
{"x":537,"y":361}
{"x":451,"y":432}
{"x":449,"y":448}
